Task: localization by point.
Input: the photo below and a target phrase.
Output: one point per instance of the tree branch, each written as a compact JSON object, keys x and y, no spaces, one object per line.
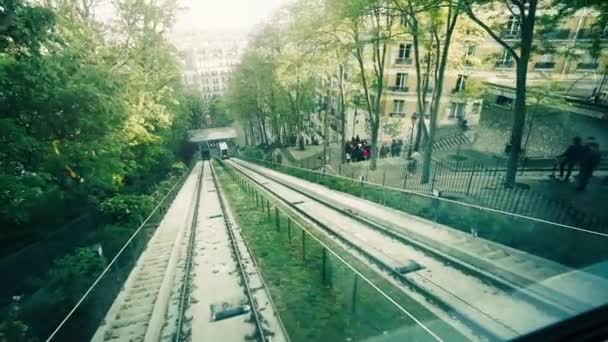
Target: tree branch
{"x":489,"y":30}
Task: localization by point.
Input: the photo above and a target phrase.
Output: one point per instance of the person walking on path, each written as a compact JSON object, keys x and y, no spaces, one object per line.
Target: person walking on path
{"x":383,"y":151}
{"x":589,"y":162}
{"x":365,"y":151}
{"x":571,"y":157}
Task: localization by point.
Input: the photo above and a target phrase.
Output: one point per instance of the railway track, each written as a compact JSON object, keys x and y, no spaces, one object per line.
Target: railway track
{"x":138,"y":313}
{"x":495,"y":309}
{"x":196,"y":280}
{"x":238,"y":253}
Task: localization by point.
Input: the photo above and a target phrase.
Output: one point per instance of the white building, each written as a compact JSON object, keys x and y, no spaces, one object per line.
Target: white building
{"x":208,"y":57}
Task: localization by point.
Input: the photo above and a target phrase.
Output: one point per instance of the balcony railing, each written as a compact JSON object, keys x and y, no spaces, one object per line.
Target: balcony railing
{"x":504,"y":64}
{"x":558,"y":34}
{"x":591,"y":33}
{"x":396,"y":115}
{"x":509,"y":34}
{"x":399,"y":89}
{"x":544,"y":65}
{"x":587,"y":66}
{"x":403,"y":60}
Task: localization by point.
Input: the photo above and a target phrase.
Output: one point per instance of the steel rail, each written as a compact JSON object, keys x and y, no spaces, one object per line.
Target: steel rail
{"x":238,"y":257}
{"x":185,"y":290}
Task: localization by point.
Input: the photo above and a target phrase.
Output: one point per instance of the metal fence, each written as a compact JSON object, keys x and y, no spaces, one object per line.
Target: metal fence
{"x":476,"y":183}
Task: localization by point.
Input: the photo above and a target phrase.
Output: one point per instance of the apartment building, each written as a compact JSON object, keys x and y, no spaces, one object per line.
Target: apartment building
{"x":208,"y":57}
{"x":485,"y":61}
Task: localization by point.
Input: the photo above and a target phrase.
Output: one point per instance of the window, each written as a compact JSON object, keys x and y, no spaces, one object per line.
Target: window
{"x":470,"y":50}
{"x":504,"y":101}
{"x":513,"y":26}
{"x":405,"y":50}
{"x":404,"y":20}
{"x":460,"y":83}
{"x":588,"y":62}
{"x":456,"y":110}
{"x":505,"y":60}
{"x":545,"y":62}
{"x":401,"y":80}
{"x":398,"y":106}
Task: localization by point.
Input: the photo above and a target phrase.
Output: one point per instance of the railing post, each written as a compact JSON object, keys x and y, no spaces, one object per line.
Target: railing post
{"x":324,"y":266}
{"x":289,"y":230}
{"x":470,"y":180}
{"x":303,"y":245}
{"x":268,"y":208}
{"x":276,"y":218}
{"x":383,"y":177}
{"x":354,"y":297}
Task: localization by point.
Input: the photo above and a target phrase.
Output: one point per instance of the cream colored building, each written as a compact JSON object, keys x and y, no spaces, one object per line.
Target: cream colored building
{"x":208,"y":57}
{"x":485,"y":61}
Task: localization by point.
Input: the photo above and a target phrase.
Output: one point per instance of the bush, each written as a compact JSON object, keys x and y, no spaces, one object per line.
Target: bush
{"x":126,"y":208}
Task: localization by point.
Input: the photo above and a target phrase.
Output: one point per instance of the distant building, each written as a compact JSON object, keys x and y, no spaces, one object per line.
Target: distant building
{"x":207,"y":58}
{"x":485,"y":63}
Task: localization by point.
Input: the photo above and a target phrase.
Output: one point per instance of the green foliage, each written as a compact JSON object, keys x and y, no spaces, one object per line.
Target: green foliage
{"x":126,"y":208}
{"x":61,"y":288}
{"x":84,"y":118}
{"x":14,"y":328}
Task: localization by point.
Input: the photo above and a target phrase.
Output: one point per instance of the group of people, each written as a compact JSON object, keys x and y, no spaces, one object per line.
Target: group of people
{"x":586,"y":155}
{"x":357,"y":150}
{"x":394,"y":149}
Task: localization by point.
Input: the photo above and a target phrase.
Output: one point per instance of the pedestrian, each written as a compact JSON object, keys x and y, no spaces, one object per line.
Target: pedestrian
{"x":571,"y":157}
{"x":398,"y":148}
{"x":589,"y":162}
{"x":384,"y":151}
{"x":357,"y":140}
{"x":366,"y":152}
{"x":348,"y":150}
{"x":393,"y":148}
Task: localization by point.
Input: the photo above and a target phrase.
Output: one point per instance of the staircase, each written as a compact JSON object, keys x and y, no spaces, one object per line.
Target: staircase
{"x":451,"y":142}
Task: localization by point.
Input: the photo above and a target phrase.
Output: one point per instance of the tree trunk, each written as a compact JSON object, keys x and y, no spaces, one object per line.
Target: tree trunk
{"x":374,"y":150}
{"x":342,"y":116}
{"x":519,"y":119}
{"x":438,"y":92}
{"x":519,"y":107}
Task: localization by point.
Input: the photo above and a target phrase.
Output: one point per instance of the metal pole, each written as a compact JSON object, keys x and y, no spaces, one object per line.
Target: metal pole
{"x":470,"y":181}
{"x":303,"y":245}
{"x":276,"y":218}
{"x":354,"y":297}
{"x":323,"y":266}
{"x":268,"y":208}
{"x":289,"y":229}
{"x":409,"y":151}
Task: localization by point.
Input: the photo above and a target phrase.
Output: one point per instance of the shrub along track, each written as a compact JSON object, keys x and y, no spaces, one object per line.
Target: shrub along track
{"x":318,"y":306}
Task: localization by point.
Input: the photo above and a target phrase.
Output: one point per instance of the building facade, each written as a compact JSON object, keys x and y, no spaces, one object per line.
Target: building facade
{"x":207,"y":59}
{"x":573,"y":63}
{"x":578,"y":63}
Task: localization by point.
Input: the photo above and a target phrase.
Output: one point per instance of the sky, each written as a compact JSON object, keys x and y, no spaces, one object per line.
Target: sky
{"x":240,"y":15}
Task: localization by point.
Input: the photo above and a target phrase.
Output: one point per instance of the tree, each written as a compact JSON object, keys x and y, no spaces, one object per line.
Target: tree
{"x":369,"y":26}
{"x":433,"y":24}
{"x":524,"y":18}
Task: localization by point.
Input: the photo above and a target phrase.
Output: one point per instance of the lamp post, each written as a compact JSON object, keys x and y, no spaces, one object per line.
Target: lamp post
{"x":409,"y":151}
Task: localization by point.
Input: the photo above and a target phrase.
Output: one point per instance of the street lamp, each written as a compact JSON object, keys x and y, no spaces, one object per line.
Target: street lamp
{"x":409,"y":151}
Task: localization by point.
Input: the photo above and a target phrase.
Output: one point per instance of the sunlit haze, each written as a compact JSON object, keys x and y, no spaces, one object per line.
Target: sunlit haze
{"x":224,"y":14}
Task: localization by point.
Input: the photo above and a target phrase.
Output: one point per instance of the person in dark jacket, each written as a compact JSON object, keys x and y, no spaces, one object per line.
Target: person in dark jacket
{"x":589,"y":162}
{"x":571,"y":157}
